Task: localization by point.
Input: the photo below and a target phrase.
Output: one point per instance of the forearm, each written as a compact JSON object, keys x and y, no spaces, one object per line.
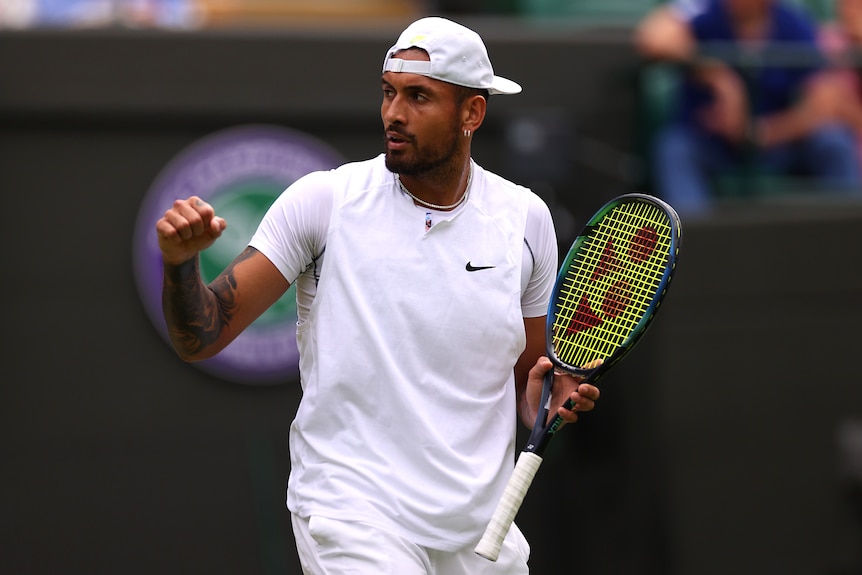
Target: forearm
{"x":525,"y":414}
{"x":825,"y":98}
{"x":534,"y":328}
{"x":781,"y":128}
{"x":194,"y":315}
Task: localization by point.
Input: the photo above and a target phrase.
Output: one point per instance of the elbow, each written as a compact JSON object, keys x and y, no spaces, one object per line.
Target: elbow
{"x":192,"y":351}
{"x":189,"y":357}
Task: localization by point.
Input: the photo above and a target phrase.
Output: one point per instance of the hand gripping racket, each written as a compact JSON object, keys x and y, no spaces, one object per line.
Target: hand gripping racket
{"x":607,"y":291}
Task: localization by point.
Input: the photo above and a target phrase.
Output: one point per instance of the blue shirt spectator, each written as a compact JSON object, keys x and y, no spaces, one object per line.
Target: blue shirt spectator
{"x":771,"y":88}
{"x":776,"y":117}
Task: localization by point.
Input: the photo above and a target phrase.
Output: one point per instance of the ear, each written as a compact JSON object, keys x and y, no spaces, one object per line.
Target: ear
{"x":473,"y":112}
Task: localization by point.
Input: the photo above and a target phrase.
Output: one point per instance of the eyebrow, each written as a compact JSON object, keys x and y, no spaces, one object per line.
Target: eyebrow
{"x":414,"y":87}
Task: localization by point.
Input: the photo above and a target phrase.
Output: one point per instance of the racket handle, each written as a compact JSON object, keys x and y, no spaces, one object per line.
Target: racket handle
{"x":525,"y":469}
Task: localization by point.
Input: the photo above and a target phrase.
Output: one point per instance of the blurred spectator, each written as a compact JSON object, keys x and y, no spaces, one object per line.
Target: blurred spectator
{"x":17,"y":13}
{"x":160,"y":13}
{"x":841,"y":41}
{"x":292,"y":12}
{"x":98,"y":13}
{"x":74,"y":12}
{"x":780,"y":117}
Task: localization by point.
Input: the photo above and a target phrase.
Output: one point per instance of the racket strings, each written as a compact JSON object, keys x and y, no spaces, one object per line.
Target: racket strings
{"x":611,"y":282}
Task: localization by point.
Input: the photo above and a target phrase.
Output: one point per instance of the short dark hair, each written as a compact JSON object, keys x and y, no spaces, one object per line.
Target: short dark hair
{"x":463,"y":92}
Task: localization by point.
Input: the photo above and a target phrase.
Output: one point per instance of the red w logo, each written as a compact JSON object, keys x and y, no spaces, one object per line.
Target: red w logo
{"x":584,"y":317}
{"x":608,"y":262}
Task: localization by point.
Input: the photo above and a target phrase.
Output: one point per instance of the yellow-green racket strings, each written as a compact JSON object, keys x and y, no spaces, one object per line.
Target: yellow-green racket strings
{"x":610,"y":283}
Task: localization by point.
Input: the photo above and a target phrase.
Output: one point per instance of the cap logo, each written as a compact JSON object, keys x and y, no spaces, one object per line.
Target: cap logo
{"x":417,"y":38}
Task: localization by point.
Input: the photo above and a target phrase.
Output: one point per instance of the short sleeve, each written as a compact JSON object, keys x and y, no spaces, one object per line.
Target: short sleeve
{"x":293,"y":232}
{"x":540,"y":259}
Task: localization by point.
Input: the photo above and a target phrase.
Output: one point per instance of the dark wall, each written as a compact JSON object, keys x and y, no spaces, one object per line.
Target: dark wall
{"x":713,"y":448}
{"x":759,"y":386}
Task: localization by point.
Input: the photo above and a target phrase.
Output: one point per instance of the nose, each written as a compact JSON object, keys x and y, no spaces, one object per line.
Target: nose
{"x":392,"y":110}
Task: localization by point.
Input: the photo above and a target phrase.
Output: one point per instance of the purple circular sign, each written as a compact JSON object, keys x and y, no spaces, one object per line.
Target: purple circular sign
{"x":240,"y":171}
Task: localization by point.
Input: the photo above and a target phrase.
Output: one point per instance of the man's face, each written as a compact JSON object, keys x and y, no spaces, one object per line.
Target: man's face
{"x":420,"y":120}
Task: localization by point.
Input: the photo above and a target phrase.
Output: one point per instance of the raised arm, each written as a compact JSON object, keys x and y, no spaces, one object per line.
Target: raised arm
{"x":664,"y":34}
{"x":203,"y":319}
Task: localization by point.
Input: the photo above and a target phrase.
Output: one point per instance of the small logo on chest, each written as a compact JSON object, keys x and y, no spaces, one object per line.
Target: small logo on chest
{"x":471,"y":268}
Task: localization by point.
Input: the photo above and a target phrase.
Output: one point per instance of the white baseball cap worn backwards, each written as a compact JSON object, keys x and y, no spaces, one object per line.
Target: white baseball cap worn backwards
{"x":457,"y":54}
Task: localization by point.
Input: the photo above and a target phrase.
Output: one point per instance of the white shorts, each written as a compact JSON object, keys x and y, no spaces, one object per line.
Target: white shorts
{"x":332,"y":547}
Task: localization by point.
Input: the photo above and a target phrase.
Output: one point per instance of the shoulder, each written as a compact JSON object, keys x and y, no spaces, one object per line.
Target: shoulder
{"x":793,"y":23}
{"x":536,"y":207}
{"x":710,"y":22}
{"x":538,"y":223}
{"x":334,"y":185}
{"x":502,"y":195}
{"x":371,"y":172}
{"x":499,"y":187}
{"x":539,"y":232}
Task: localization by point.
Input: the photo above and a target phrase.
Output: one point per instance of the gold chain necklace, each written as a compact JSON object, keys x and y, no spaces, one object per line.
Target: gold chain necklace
{"x":435,"y":206}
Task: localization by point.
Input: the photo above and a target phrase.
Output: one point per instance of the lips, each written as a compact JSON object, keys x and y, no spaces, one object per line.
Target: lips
{"x":396,"y":141}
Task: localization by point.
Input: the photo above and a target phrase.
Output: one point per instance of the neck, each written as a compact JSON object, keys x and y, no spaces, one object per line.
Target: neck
{"x":752,"y":26}
{"x":442,"y":188}
{"x":435,"y":194}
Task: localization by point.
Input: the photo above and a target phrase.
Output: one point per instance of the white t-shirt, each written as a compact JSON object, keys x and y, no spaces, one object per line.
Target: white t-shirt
{"x":407,"y":419}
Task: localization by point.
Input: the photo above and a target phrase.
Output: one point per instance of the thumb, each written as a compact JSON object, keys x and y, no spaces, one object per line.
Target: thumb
{"x":217,"y":226}
{"x":543,"y":364}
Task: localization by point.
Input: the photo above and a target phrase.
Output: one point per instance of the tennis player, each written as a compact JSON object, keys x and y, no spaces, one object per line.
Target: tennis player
{"x":422,"y":286}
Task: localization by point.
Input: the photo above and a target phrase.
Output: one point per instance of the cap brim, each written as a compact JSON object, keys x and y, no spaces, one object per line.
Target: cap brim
{"x":504,"y":86}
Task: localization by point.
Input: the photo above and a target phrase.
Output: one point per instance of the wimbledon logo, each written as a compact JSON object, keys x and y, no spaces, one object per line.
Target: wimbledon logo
{"x":240,"y":171}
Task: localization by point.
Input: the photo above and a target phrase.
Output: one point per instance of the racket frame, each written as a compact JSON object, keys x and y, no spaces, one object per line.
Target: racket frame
{"x":543,"y":429}
{"x":530,"y":458}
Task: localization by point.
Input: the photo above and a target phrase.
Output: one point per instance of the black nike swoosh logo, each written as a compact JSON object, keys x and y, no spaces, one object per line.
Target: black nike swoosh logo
{"x":471,"y":268}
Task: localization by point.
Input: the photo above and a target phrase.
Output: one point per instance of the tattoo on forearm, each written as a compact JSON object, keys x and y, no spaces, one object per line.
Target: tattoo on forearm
{"x":196,"y":314}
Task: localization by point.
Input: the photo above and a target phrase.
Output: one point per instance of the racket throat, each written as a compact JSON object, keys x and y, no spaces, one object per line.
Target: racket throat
{"x":543,"y":430}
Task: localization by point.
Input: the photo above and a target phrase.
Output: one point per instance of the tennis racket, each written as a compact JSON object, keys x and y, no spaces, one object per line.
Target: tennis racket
{"x":606,"y":294}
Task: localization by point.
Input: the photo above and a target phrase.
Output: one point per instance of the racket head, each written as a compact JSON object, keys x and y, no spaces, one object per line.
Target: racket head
{"x":611,"y":283}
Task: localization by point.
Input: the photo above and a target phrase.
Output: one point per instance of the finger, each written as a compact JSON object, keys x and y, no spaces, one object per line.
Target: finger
{"x":589,"y":391}
{"x":190,"y":218}
{"x":167,"y":232}
{"x":569,"y":415}
{"x":581,"y":403}
{"x":585,"y":398}
{"x":197,"y":213}
{"x":206,"y":211}
{"x":179,"y":224}
{"x":591,"y":365}
{"x":217,"y":226}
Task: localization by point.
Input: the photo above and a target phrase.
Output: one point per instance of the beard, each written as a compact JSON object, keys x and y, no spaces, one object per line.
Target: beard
{"x":424,"y":160}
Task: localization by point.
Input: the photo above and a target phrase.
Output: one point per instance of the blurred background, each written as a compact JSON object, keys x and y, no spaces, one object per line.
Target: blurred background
{"x":729,"y":441}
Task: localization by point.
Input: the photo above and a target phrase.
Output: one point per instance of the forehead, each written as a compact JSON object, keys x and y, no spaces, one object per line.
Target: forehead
{"x":415,"y":80}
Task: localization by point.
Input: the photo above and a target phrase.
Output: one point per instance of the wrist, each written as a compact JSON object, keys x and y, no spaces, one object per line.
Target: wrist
{"x":181,"y":272}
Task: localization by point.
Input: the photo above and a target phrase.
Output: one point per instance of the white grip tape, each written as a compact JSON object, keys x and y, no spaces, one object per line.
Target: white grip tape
{"x":525,"y":469}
